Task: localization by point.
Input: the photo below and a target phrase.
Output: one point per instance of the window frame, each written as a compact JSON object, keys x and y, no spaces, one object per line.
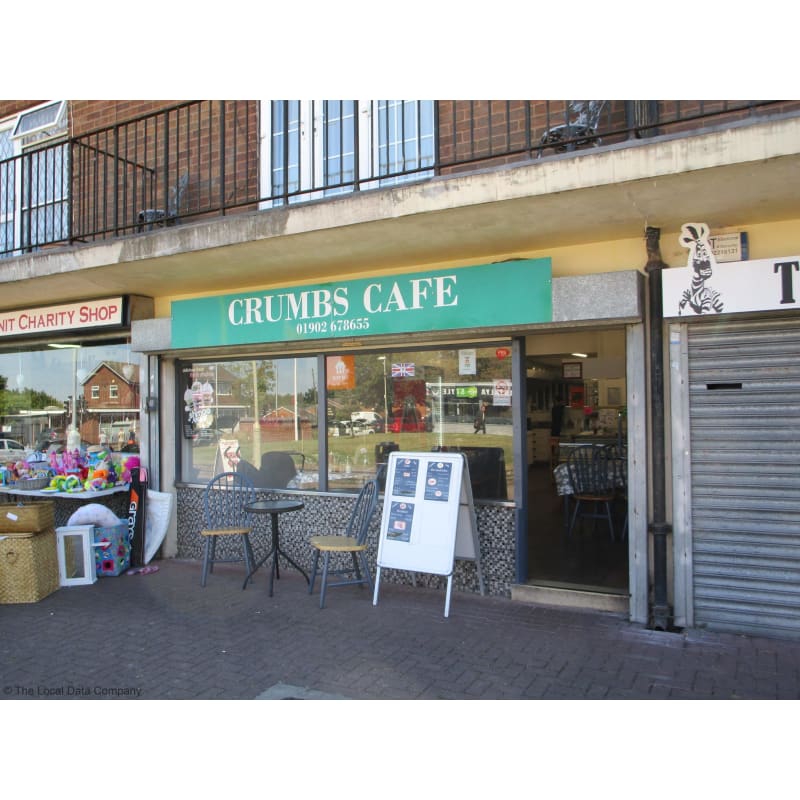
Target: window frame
{"x":461,"y":435}
{"x":53,"y":198}
{"x":314,"y":130}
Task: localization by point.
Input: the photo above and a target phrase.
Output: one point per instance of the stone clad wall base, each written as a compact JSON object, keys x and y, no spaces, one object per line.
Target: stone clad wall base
{"x":326,"y":513}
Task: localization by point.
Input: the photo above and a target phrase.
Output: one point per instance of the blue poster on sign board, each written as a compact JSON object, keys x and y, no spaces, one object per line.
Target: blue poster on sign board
{"x":437,"y":480}
{"x":401,"y":517}
{"x":405,"y":477}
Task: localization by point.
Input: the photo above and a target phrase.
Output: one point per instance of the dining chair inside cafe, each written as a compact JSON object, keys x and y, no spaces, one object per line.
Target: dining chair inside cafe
{"x":352,"y":541}
{"x":224,"y":517}
{"x":618,"y":453}
{"x":591,"y":476}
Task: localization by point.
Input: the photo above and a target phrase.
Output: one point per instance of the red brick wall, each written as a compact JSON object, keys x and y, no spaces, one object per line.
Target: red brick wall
{"x":89,"y":115}
{"x":10,"y":107}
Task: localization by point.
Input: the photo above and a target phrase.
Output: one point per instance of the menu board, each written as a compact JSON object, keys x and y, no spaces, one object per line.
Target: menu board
{"x":428,"y":516}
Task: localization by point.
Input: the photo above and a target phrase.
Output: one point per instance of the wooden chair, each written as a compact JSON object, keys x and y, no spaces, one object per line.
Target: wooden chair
{"x":618,"y":455}
{"x":591,"y":475}
{"x":353,"y":541}
{"x":224,"y":501}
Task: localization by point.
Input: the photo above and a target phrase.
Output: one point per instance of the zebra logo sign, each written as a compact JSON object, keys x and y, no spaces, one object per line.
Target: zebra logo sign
{"x":700,"y":297}
{"x":705,"y":287}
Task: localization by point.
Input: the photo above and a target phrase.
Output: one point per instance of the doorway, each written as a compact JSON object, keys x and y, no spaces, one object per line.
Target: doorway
{"x":584,"y":372}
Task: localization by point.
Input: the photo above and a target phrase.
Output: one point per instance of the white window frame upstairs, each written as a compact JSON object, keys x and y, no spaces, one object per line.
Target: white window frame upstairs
{"x":320,"y":152}
{"x":28,"y":132}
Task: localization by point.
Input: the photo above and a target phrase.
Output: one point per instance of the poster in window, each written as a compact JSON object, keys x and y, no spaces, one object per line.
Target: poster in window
{"x":341,"y":372}
{"x":467,"y":363}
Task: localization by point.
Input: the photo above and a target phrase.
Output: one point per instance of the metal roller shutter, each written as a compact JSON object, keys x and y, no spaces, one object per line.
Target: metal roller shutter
{"x":744,"y":401}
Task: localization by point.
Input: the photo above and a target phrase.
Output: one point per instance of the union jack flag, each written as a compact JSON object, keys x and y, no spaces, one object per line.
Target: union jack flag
{"x":402,"y":370}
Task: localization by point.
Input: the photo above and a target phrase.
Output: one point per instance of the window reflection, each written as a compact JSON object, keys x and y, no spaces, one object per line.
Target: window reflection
{"x":420,"y":401}
{"x":46,"y":390}
{"x":260,"y":416}
{"x":235,"y":413}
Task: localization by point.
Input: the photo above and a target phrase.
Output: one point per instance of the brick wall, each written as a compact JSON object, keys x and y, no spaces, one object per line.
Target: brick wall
{"x":10,"y":107}
{"x":89,"y":115}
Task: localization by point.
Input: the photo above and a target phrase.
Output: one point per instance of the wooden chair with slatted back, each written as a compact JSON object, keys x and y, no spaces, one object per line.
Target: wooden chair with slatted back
{"x":224,"y":515}
{"x":591,"y":476}
{"x":353,"y":540}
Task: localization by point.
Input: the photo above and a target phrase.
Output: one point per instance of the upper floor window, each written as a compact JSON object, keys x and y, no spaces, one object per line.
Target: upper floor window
{"x":113,"y":391}
{"x":95,"y":392}
{"x":319,"y":148}
{"x":41,"y":122}
{"x":34,"y":178}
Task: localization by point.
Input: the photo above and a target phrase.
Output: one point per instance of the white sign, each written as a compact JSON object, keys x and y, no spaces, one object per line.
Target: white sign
{"x":767,"y":284}
{"x":428,"y":517}
{"x":228,"y":456}
{"x":704,"y":287}
{"x":501,"y":393}
{"x":466,"y":362}
{"x":66,"y":317}
{"x":729,"y":246}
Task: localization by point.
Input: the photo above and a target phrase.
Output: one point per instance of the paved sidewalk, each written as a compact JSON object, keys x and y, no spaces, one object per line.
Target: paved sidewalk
{"x":161,"y":636}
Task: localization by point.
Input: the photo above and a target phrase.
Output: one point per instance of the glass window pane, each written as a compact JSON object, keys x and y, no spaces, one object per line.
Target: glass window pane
{"x":420,"y":401}
{"x":237,"y":412}
{"x":39,"y":119}
{"x":37,"y":404}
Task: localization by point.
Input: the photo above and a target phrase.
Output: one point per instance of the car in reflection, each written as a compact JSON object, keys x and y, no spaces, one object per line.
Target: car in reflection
{"x":361,"y":427}
{"x":12,"y":450}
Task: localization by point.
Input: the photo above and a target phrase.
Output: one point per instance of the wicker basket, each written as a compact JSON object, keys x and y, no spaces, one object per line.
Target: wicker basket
{"x":27,"y":517}
{"x":28,"y":567}
{"x":32,"y":484}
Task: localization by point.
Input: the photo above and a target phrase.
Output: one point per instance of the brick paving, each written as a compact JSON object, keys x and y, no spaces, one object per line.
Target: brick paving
{"x":161,"y":636}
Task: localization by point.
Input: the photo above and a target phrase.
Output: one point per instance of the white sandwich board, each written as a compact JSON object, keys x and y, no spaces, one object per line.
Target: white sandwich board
{"x":428,"y":517}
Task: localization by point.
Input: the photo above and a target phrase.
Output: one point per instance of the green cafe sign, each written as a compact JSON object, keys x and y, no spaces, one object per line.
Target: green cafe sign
{"x":484,"y":296}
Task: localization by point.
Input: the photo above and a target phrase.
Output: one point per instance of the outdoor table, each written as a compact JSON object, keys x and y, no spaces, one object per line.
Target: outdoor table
{"x":274,"y":508}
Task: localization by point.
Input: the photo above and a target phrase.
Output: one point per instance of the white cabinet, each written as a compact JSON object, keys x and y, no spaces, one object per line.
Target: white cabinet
{"x":538,"y":445}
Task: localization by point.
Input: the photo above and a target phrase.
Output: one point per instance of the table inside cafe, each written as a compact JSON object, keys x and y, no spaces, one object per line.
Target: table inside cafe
{"x":562,"y":479}
{"x":274,"y":508}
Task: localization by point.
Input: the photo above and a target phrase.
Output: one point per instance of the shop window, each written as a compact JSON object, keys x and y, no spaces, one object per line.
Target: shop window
{"x":236,"y":414}
{"x":424,"y":400}
{"x":52,"y":386}
{"x":377,"y":402}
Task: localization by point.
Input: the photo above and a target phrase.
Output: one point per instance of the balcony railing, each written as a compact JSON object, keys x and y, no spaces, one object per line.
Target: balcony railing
{"x":206,"y":159}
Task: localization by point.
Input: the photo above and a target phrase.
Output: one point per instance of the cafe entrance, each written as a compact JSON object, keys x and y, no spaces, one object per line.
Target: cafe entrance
{"x":576,"y":395}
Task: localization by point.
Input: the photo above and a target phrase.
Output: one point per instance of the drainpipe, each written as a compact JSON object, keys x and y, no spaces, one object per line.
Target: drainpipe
{"x":661,"y":616}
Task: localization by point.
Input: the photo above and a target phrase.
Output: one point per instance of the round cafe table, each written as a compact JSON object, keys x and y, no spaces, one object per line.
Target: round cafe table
{"x":274,"y":508}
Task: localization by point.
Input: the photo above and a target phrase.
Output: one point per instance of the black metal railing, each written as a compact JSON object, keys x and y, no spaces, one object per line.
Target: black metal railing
{"x":205,"y":159}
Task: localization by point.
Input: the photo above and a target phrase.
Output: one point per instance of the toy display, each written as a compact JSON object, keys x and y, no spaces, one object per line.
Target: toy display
{"x":70,"y":472}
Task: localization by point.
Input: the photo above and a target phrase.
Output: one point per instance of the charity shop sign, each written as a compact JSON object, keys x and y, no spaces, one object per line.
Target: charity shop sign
{"x":65,"y":317}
